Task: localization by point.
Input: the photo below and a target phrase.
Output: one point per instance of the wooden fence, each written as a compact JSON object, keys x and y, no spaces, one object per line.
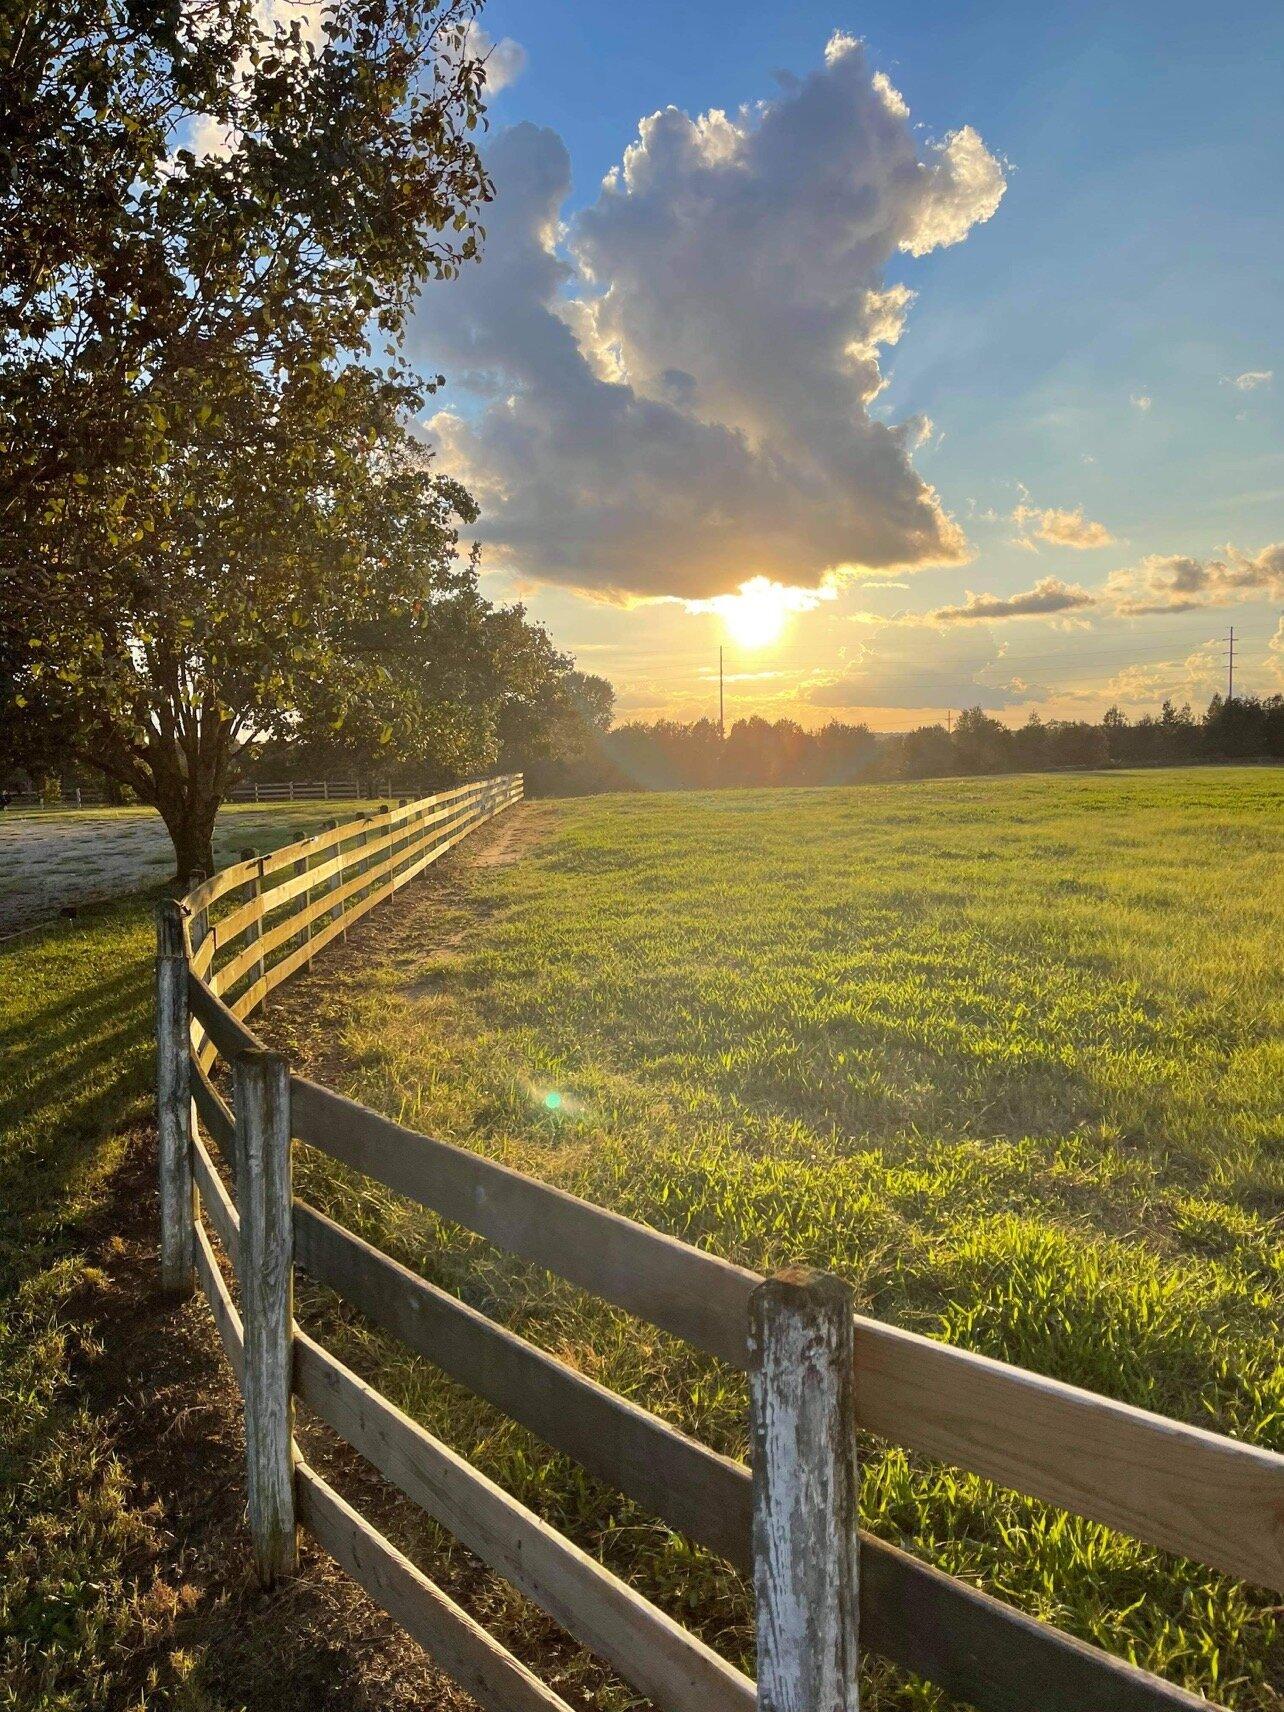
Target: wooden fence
{"x":817,"y":1371}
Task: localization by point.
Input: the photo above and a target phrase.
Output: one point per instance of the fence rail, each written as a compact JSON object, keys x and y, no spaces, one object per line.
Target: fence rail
{"x":70,"y":797}
{"x":817,"y":1371}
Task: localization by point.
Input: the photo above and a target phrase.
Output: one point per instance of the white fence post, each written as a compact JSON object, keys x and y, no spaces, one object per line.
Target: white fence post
{"x":806,"y":1492}
{"x":174,"y":1103}
{"x":261,"y":1087}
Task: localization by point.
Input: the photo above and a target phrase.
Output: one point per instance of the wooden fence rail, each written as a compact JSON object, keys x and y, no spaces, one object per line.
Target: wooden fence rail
{"x":817,"y":1372}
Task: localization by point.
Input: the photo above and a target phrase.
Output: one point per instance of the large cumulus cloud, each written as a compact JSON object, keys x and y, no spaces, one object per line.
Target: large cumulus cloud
{"x":671,"y":395}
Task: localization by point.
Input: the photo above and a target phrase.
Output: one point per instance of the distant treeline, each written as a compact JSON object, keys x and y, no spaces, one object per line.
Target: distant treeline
{"x":666,"y":755}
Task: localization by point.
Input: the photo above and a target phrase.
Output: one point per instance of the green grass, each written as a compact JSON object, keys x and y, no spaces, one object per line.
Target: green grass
{"x":75,"y":1077}
{"x":1006,"y":1054}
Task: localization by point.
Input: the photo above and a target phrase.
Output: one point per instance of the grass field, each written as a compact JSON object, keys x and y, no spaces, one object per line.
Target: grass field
{"x":1007,"y":1054}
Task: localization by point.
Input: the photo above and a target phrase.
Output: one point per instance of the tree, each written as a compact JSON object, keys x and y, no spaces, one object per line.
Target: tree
{"x":206,"y":213}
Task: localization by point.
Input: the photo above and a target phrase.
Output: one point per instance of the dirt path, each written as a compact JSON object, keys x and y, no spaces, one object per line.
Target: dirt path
{"x":306,"y":1016}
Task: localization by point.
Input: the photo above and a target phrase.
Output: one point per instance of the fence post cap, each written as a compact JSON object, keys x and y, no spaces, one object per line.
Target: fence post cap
{"x":249,"y":854}
{"x":799,"y":1283}
{"x":171,"y":913}
{"x":256,"y":1057}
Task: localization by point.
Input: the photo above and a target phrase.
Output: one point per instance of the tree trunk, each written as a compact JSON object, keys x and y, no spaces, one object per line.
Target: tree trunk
{"x":190,"y":822}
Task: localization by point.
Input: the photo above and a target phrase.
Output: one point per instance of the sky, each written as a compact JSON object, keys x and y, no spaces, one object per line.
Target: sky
{"x":920,"y":357}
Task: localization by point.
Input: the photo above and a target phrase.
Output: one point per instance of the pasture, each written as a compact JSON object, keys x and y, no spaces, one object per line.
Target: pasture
{"x":1006,"y":1054}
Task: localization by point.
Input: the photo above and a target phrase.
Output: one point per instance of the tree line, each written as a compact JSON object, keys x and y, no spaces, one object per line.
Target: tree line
{"x":669,"y":755}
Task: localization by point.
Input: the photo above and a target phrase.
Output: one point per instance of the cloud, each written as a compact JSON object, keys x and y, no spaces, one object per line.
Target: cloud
{"x":1185,"y":680}
{"x":1142,"y":400}
{"x":912,"y":664}
{"x":1275,"y":653}
{"x":1177,"y":583}
{"x":505,"y":59}
{"x":1061,"y":528}
{"x":1250,"y":380}
{"x":671,"y":394}
{"x":1048,"y":596}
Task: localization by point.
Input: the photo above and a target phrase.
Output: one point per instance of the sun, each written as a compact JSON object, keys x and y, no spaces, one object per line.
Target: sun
{"x":756,"y":616}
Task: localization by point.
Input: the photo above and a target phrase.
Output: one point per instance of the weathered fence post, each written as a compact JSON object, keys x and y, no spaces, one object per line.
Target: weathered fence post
{"x":254,"y":932}
{"x":199,"y":924}
{"x":336,"y":879}
{"x":174,"y":1102}
{"x":806,"y":1492}
{"x":261,"y":1088}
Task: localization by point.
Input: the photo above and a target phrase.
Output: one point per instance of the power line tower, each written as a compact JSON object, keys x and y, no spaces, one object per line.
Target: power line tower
{"x":1230,"y":665}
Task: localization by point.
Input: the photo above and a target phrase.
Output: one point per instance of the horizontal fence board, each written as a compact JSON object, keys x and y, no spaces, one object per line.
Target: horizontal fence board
{"x":219,"y":1297}
{"x":971,"y":1645}
{"x":213,"y":1112}
{"x":652,"y":1652}
{"x":983,"y":1652}
{"x":477,"y":1662}
{"x":695,"y":1490}
{"x":225,"y":1030}
{"x":685,"y":1290}
{"x":1195,"y":1493}
{"x":216,"y":1201}
{"x":1178,"y":1487}
{"x":232,"y":925}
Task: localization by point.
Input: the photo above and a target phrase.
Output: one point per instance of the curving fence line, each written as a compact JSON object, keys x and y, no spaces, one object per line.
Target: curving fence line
{"x":817,"y":1371}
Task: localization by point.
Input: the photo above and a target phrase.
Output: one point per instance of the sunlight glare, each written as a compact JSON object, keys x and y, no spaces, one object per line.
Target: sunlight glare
{"x":755,"y":615}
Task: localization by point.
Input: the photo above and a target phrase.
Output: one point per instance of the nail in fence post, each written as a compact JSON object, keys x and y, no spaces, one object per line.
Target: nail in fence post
{"x":805,"y":1492}
{"x":261,"y":1087}
{"x":174,"y":1103}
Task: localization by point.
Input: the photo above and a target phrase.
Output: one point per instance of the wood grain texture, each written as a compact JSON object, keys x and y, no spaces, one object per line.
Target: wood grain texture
{"x":1175,"y":1486}
{"x":696,"y":1491}
{"x":806,"y":1492}
{"x":226,"y":1319}
{"x":261,"y":1099}
{"x":227,"y":1033}
{"x":478,"y":1663}
{"x":216,"y":1203}
{"x":683,"y":1289}
{"x":214,"y":1113}
{"x":657,"y":1656}
{"x":968,"y":1643}
{"x":173,"y":1105}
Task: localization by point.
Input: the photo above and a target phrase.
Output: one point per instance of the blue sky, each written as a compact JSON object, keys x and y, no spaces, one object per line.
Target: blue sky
{"x":1077,"y":353}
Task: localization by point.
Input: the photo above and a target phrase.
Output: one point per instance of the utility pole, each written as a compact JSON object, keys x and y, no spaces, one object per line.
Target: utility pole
{"x":722,"y":729}
{"x":1230,"y":666}
{"x":949,"y":720}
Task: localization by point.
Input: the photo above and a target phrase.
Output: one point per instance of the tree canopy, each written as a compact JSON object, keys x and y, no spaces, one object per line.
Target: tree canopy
{"x":218,"y":527}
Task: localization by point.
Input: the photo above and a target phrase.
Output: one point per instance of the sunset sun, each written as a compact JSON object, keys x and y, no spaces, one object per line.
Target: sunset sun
{"x":755,"y":617}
